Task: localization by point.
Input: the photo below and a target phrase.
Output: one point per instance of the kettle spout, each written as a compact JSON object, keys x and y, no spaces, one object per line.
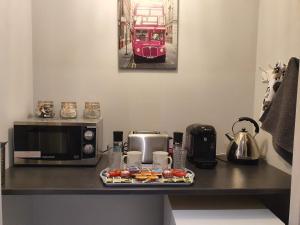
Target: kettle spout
{"x":230,"y":137}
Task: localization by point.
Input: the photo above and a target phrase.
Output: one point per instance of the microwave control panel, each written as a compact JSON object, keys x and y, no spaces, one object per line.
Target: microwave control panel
{"x":89,"y":142}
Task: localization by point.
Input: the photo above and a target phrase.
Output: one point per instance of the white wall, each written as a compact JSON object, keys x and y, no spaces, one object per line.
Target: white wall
{"x":16,"y":80}
{"x":278,"y":39}
{"x":75,"y":58}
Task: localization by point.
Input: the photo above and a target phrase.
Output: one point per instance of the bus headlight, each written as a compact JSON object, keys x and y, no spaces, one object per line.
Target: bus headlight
{"x":138,"y":50}
{"x":162,"y":50}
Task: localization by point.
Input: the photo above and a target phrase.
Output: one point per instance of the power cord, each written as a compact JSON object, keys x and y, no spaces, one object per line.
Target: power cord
{"x":124,"y":148}
{"x":107,"y":149}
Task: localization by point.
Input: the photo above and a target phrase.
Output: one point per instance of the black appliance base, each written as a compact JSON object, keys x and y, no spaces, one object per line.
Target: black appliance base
{"x":92,"y":162}
{"x":244,"y":162}
{"x":205,"y":164}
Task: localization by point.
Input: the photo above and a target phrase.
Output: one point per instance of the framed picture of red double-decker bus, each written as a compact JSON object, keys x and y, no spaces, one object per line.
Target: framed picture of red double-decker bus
{"x":148,"y":34}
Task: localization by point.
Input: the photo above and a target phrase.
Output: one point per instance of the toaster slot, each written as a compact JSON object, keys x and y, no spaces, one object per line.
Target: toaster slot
{"x":146,"y":132}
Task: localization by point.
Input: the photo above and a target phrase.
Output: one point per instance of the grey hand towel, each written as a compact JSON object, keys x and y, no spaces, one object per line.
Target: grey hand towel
{"x":279,"y":118}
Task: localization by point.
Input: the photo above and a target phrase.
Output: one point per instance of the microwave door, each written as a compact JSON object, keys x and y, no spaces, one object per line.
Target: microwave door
{"x":61,"y":142}
{"x":53,"y":143}
{"x":47,"y":142}
{"x":26,"y":142}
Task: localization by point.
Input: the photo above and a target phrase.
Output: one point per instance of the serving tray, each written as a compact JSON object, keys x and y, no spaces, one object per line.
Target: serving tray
{"x":115,"y":182}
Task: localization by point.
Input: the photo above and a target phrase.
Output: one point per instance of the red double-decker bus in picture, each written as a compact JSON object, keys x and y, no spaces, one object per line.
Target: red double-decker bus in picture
{"x":148,"y":33}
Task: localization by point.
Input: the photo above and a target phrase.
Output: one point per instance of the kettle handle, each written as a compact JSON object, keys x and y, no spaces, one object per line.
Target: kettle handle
{"x":249,"y":120}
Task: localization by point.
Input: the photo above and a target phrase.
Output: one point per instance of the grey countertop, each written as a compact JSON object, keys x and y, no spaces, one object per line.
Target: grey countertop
{"x":226,"y":178}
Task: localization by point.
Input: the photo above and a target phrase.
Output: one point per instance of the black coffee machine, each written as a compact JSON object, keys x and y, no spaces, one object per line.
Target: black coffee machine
{"x":201,"y":145}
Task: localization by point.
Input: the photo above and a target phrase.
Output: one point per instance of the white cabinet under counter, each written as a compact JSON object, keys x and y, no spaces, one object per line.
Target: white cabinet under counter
{"x":218,"y":210}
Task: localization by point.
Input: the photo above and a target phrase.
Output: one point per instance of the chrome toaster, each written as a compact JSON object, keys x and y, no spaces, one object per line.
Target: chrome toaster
{"x":148,"y":142}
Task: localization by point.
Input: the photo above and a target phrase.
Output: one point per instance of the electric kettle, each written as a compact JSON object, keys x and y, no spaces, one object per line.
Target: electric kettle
{"x":243,"y":147}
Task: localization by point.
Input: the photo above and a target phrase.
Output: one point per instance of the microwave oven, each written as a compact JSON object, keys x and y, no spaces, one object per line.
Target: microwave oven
{"x":74,"y":142}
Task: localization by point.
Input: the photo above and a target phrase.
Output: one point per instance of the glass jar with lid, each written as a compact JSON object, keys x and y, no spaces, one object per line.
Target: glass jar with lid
{"x":45,"y":109}
{"x":92,"y":110}
{"x":68,"y":110}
